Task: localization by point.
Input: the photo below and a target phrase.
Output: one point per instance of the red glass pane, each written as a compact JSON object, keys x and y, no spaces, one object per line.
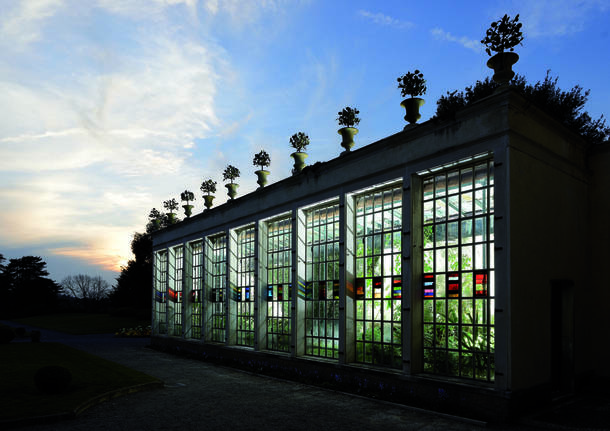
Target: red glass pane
{"x":396,"y":288}
{"x":453,"y":285}
{"x":480,"y":278}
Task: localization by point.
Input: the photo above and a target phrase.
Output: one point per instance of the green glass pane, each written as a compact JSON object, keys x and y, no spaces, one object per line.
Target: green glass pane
{"x":440,"y":336}
{"x":396,"y":334}
{"x":466,"y":365}
{"x":428,"y":236}
{"x":440,"y":285}
{"x":492,"y":312}
{"x":359,"y":267}
{"x":387,"y":332}
{"x":428,"y":335}
{"x":387,"y":293}
{"x":453,"y":311}
{"x":441,"y":311}
{"x":359,"y":310}
{"x":368,"y":331}
{"x":428,"y":360}
{"x":453,"y":258}
{"x":368,"y":250}
{"x":481,"y":311}
{"x":492,"y":339}
{"x":396,"y":312}
{"x":387,"y":265}
{"x":397,"y":264}
{"x":429,"y":310}
{"x":387,"y":242}
{"x":376,"y":266}
{"x":377,"y":310}
{"x":396,"y":242}
{"x":387,"y":309}
{"x":440,"y":260}
{"x":453,"y":336}
{"x":369,"y":267}
{"x":467,"y":281}
{"x":466,"y":257}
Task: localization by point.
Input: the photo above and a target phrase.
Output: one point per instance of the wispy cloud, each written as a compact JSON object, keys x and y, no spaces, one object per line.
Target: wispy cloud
{"x":385,"y":20}
{"x":472,"y":44}
{"x":85,"y":155}
{"x":543,"y":18}
{"x":23,"y":23}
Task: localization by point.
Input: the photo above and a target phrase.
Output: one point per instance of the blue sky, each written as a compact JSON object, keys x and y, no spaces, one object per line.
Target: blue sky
{"x":110,"y":107}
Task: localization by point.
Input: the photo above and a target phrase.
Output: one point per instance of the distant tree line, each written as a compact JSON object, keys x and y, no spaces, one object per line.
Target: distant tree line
{"x":26,"y":289}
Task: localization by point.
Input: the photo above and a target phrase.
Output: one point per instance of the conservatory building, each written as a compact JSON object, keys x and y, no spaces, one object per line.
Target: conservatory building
{"x":454,"y":265}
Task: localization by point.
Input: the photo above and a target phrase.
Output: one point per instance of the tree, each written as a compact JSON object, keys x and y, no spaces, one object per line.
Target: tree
{"x":86,"y":287}
{"x":134,"y":284}
{"x":26,"y":287}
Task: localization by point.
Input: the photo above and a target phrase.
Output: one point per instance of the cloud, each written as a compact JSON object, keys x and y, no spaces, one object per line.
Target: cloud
{"x":472,"y":44}
{"x":385,"y":20}
{"x":548,"y":18}
{"x":23,"y":24}
{"x":85,"y":153}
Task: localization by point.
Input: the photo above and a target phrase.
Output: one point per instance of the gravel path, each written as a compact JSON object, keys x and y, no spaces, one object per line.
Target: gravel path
{"x":198,"y":395}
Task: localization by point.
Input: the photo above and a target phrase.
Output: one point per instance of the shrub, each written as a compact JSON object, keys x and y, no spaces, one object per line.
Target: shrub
{"x":299,"y":141}
{"x":208,"y":186}
{"x":6,"y":334}
{"x":412,"y":84}
{"x":261,"y":159}
{"x":503,"y":35}
{"x":564,"y":106}
{"x":53,"y":379}
{"x":348,"y":117}
{"x":187,"y":196}
{"x":230,"y":173}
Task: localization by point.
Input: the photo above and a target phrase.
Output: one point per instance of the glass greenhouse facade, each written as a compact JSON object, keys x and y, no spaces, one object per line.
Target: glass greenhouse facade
{"x":421,"y":262}
{"x":361,"y":234}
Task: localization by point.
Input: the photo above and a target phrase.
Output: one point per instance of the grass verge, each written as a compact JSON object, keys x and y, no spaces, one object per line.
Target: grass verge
{"x":92,"y":377}
{"x":82,"y":323}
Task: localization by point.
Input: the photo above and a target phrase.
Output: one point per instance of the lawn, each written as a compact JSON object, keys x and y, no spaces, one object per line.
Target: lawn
{"x":91,"y":377}
{"x":82,"y":323}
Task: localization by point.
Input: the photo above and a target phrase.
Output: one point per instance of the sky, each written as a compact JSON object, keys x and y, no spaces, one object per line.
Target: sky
{"x":110,"y":107}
